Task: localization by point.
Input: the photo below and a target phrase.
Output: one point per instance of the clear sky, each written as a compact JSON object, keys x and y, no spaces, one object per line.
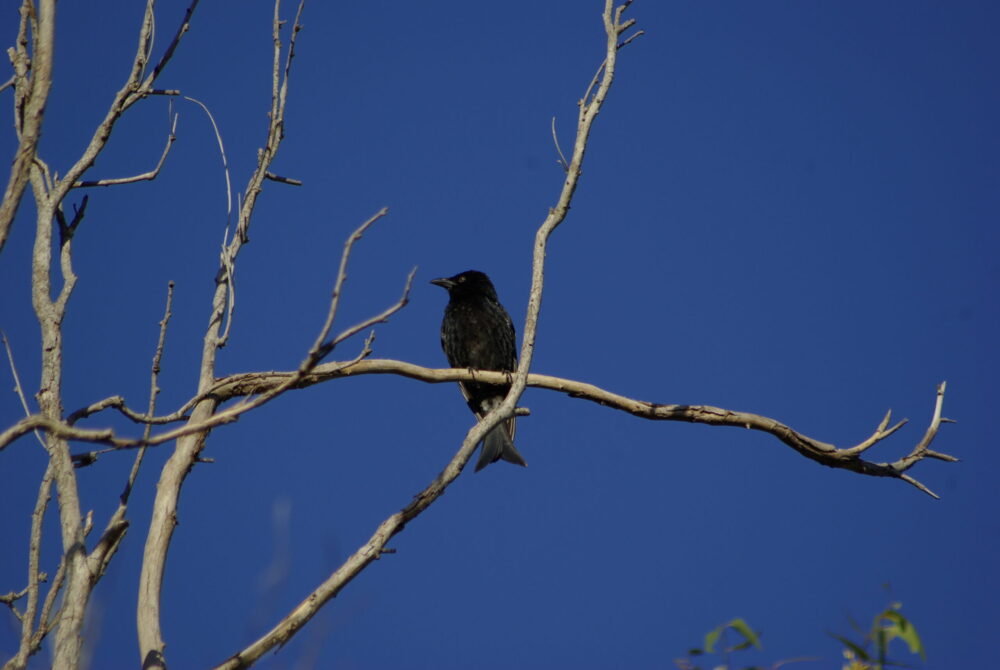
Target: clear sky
{"x":788,"y":208}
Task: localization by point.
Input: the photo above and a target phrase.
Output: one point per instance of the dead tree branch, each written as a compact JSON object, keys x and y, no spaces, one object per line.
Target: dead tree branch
{"x":145,"y":176}
{"x":79,"y":571}
{"x":33,"y":66}
{"x":846,"y":458}
{"x":35,"y":576}
{"x":32,"y":83}
{"x":372,"y":549}
{"x":134,"y":89}
{"x":190,"y":444}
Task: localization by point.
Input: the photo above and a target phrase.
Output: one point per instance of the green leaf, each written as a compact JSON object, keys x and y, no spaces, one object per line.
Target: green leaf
{"x":904,"y":630}
{"x":858,"y":651}
{"x":748,"y":633}
{"x":711,"y":637}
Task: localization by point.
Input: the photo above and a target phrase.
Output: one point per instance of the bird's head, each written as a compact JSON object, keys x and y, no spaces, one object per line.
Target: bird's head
{"x":468,"y":283}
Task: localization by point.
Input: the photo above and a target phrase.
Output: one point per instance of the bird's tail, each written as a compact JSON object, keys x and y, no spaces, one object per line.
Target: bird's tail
{"x":497,"y":446}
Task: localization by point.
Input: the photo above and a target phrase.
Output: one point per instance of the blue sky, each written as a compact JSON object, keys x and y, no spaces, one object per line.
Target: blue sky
{"x":788,"y":208}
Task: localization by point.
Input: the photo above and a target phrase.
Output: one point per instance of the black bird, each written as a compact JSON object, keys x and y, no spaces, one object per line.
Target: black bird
{"x":477,"y":333}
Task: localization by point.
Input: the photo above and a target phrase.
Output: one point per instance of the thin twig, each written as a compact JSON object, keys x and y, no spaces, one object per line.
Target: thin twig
{"x":17,"y":384}
{"x":881,"y":432}
{"x":625,"y":42}
{"x":154,"y":390}
{"x":145,"y":176}
{"x":321,"y":347}
{"x":555,"y":140}
{"x":47,"y":620}
{"x":227,"y":261}
{"x":184,"y":26}
{"x":117,"y":402}
{"x":381,"y":317}
{"x":134,"y":89}
{"x":283,"y":180}
{"x":34,"y":575}
{"x":222,"y":152}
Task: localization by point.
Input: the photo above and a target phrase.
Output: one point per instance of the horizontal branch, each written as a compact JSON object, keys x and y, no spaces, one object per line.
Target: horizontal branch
{"x":847,"y":458}
{"x":117,"y":402}
{"x":263,"y":383}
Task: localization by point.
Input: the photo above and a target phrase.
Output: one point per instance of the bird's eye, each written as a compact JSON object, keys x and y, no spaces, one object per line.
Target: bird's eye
{"x":461,"y":279}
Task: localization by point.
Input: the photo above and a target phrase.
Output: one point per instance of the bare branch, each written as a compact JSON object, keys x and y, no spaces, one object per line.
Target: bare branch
{"x":49,"y":193}
{"x":188,"y":448}
{"x":283,"y":180}
{"x":134,"y":89}
{"x":847,"y":458}
{"x":12,"y":597}
{"x":293,"y":380}
{"x":395,"y":523}
{"x":67,"y":230}
{"x":555,"y":140}
{"x":382,"y":316}
{"x":50,"y":315}
{"x":257,"y":383}
{"x":47,"y":621}
{"x":154,"y":390}
{"x":256,"y":389}
{"x":321,"y":347}
{"x":590,"y":106}
{"x":167,"y":55}
{"x":222,"y":152}
{"x":880,"y":434}
{"x":32,"y":83}
{"x":117,"y":402}
{"x":631,"y":37}
{"x":35,"y":576}
{"x":60,"y":429}
{"x":17,"y":383}
{"x":360,"y":559}
{"x":145,"y":176}
{"x":227,"y":268}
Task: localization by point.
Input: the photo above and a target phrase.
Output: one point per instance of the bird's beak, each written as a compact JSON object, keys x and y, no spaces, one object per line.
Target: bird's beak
{"x":446,"y":284}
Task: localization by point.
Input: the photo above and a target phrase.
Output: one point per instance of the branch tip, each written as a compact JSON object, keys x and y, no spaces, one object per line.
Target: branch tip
{"x":885,"y":422}
{"x":910,"y":480}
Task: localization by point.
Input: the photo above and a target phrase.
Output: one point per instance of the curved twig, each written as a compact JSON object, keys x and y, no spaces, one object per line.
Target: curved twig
{"x":135,"y":88}
{"x":145,"y":176}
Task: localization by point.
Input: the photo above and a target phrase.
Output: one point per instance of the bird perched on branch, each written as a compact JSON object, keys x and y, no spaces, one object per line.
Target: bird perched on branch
{"x":477,"y":333}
